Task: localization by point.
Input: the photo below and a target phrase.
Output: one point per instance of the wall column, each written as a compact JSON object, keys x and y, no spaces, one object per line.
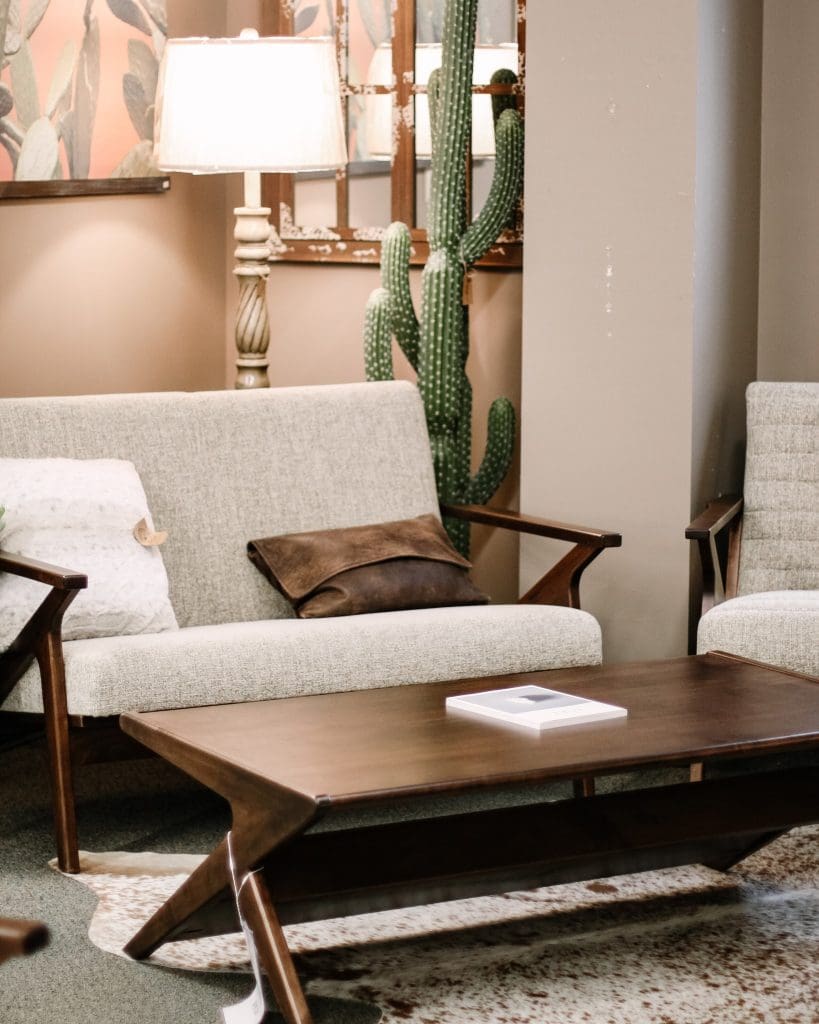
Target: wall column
{"x":624,"y":100}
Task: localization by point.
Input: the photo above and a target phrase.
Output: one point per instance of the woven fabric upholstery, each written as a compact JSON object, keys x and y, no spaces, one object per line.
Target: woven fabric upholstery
{"x":220,"y":468}
{"x":780,"y":534}
{"x":779,"y":628}
{"x":260,"y":660}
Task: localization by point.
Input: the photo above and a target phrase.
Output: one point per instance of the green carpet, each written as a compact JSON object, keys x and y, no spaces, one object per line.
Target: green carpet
{"x":136,"y":805}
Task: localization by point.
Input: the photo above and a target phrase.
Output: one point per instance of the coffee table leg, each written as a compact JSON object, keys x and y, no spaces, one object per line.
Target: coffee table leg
{"x":208,"y":880}
{"x":258,"y":910}
{"x":256,"y":835}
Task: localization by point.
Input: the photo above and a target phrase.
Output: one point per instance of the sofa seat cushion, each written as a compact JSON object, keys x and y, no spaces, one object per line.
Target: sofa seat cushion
{"x":779,"y":627}
{"x":291,"y":657}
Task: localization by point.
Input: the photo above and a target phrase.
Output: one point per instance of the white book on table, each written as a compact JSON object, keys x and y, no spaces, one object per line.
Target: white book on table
{"x":534,"y":707}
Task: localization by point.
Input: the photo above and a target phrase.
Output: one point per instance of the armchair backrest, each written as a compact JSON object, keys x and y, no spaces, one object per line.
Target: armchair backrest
{"x":224,"y":467}
{"x":780,"y":533}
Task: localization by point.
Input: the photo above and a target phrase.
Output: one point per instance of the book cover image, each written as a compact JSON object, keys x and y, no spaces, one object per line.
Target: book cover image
{"x":534,"y":707}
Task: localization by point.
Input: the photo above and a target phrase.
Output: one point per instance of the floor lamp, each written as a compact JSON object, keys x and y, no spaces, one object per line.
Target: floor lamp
{"x":250,"y":104}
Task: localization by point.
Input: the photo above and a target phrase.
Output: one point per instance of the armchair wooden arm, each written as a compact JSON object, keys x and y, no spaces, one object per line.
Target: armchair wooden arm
{"x":19,"y":938}
{"x":719,"y":560}
{"x":561,"y":584}
{"x":41,"y":638}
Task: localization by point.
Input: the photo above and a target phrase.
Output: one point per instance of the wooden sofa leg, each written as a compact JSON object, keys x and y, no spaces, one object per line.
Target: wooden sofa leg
{"x":52,"y":674}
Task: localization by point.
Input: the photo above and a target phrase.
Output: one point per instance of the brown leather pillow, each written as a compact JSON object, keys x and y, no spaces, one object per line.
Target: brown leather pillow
{"x":409,"y":563}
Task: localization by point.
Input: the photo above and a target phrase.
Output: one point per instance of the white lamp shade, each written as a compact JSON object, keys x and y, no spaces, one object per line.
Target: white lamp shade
{"x":249,"y":104}
{"x":488,"y":59}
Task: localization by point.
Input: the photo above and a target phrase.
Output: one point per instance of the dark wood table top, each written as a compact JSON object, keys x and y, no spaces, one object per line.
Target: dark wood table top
{"x":367,"y":745}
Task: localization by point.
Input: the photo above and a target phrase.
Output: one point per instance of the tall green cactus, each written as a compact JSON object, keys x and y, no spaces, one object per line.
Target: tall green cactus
{"x":437,"y":343}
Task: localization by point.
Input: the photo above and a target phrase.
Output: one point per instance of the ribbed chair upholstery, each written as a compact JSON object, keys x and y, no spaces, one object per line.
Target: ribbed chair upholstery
{"x":761,"y":600}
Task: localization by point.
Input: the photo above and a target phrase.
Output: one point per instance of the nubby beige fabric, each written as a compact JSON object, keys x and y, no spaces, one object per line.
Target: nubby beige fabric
{"x":778,"y":627}
{"x":260,"y":660}
{"x":780,"y":532}
{"x":775,"y":618}
{"x":221,"y":468}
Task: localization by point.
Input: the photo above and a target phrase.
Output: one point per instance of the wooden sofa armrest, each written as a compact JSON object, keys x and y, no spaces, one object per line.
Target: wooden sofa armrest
{"x":45,"y":625}
{"x":19,"y":938}
{"x":719,"y":562}
{"x":41,"y":638}
{"x":42,"y":572}
{"x":561,"y":584}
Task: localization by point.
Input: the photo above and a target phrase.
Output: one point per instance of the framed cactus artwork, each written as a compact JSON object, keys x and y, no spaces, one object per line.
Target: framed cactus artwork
{"x":77,"y":91}
{"x":387,"y":51}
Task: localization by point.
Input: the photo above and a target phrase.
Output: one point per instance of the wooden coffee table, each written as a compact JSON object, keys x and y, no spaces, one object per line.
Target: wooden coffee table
{"x":285,"y":764}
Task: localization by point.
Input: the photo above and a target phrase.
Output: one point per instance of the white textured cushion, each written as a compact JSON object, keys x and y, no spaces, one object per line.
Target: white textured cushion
{"x":778,"y":627}
{"x":287,"y":657}
{"x":80,"y":515}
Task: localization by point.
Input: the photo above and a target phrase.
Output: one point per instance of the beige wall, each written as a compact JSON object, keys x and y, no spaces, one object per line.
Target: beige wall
{"x":116,"y":293}
{"x":616,"y":340}
{"x":726,"y":264}
{"x":789,"y":253}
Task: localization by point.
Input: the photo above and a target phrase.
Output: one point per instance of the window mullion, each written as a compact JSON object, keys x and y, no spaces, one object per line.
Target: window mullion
{"x":342,"y":54}
{"x":403,"y":65}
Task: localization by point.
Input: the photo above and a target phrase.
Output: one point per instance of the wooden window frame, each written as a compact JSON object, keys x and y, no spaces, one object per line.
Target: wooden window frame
{"x":342,"y":243}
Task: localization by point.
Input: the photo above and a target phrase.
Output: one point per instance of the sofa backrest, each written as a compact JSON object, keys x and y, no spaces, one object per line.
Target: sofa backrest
{"x":780,"y":533}
{"x":224,"y":467}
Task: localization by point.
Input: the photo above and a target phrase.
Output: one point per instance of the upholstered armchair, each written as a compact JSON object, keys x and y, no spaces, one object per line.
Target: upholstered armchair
{"x":760,"y":551}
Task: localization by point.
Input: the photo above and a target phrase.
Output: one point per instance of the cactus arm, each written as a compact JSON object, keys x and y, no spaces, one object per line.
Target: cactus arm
{"x":395,"y":263}
{"x":503,"y":101}
{"x":500,"y":446}
{"x":378,"y":337}
{"x":504,"y":191}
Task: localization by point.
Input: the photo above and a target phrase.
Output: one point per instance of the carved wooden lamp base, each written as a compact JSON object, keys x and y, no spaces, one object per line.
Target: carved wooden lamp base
{"x":252,"y":253}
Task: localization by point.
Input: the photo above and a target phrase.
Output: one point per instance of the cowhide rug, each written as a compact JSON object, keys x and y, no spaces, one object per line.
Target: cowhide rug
{"x":679,"y":946}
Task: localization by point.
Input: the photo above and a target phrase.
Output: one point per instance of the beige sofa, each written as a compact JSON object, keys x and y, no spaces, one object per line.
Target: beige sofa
{"x":219,"y":469}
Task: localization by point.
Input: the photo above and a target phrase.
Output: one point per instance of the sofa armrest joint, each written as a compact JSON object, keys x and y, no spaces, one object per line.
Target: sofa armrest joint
{"x":717,"y":515}
{"x":561,"y":584}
